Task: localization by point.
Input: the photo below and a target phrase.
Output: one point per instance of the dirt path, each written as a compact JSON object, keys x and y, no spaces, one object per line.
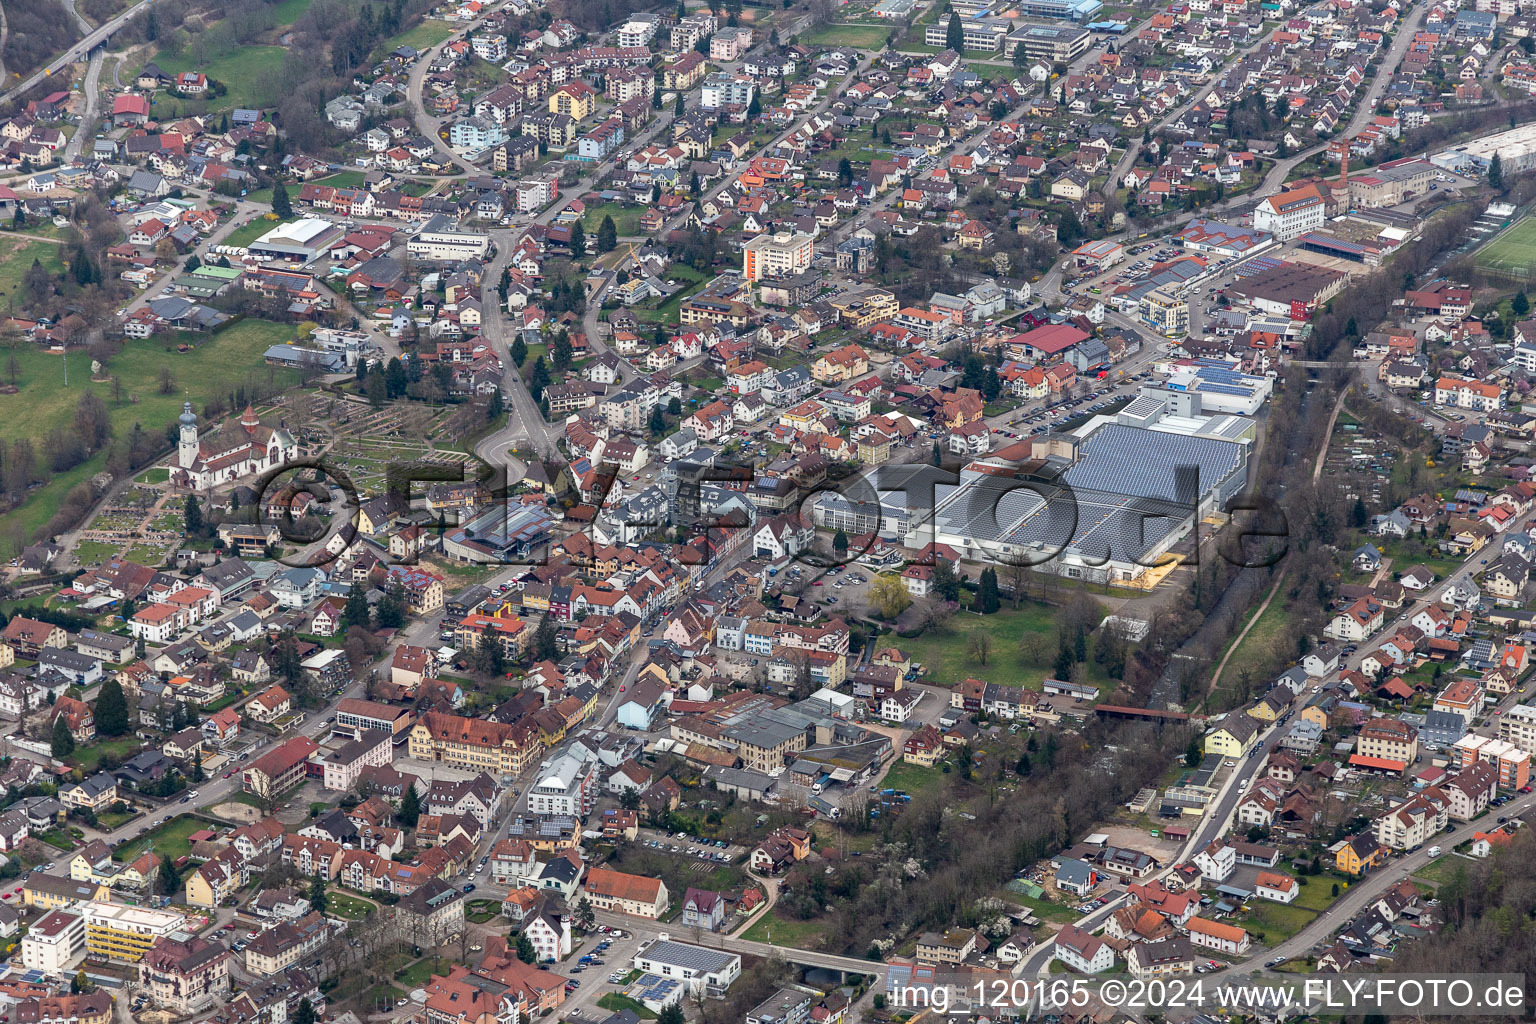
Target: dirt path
{"x":1317,"y":471}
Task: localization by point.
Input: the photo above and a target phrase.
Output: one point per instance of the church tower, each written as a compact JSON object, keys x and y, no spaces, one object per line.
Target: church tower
{"x":186,"y":449}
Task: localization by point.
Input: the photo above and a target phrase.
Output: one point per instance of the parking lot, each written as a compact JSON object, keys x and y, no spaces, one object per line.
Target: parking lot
{"x":839,"y":588}
{"x":593,"y":967}
{"x":684,"y":845}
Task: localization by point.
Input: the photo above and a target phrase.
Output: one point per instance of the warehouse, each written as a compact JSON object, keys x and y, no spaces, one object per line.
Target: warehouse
{"x":1516,"y":149}
{"x":1126,"y":496}
{"x":1288,"y":289}
{"x":1129,"y":496}
{"x":1212,"y":236}
{"x":1098,"y":255}
{"x":301,"y":241}
{"x":438,"y":239}
{"x":1390,"y":183}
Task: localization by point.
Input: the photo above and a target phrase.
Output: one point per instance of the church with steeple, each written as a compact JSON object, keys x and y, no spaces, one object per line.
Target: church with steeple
{"x":228,"y":453}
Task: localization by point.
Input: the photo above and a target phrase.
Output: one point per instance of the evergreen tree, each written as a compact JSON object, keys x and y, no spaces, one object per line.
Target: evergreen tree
{"x":561,"y":352}
{"x":840,"y":543}
{"x":1080,"y":647}
{"x":317,"y":895}
{"x":1496,"y":172}
{"x":280,"y":204}
{"x":987,"y":600}
{"x":1062,"y":668}
{"x":378,"y":390}
{"x":410,"y":808}
{"x":1357,"y":514}
{"x":494,"y":407}
{"x":305,"y":1013}
{"x":1192,"y":754}
{"x":1023,"y":767}
{"x":538,"y":380}
{"x":197,"y":766}
{"x":546,"y":640}
{"x":111,"y":709}
{"x":578,"y":240}
{"x":1520,"y":304}
{"x":395,"y":381}
{"x":63,"y":740}
{"x":192,"y":516}
{"x":525,"y":951}
{"x":991,"y":384}
{"x":954,"y":34}
{"x":519,"y":352}
{"x":945,"y":583}
{"x":607,"y":235}
{"x":392,"y":609}
{"x":168,"y":880}
{"x":754,"y":109}
{"x":844,"y":172}
{"x":672,"y":1013}
{"x":675,"y":407}
{"x":356,"y":611}
{"x":489,"y":658}
{"x":658,"y":421}
{"x":677,"y":108}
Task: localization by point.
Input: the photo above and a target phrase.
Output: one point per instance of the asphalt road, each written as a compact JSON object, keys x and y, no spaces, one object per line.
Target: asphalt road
{"x":89,"y":42}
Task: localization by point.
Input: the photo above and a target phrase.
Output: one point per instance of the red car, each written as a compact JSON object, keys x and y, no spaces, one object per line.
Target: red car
{"x":816,"y":584}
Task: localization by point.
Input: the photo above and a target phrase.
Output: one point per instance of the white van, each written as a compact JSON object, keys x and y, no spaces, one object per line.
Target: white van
{"x":1434,"y":851}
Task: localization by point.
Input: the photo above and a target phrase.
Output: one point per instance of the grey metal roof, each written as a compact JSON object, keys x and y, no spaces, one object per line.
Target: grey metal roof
{"x":1142,"y":463}
{"x":689,"y":957}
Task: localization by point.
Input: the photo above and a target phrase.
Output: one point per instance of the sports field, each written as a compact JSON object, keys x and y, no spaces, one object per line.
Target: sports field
{"x":1513,"y":250}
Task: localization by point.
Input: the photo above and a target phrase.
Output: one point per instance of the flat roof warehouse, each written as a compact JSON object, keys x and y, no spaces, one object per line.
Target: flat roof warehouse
{"x":1130,"y":494}
{"x":1516,"y":149}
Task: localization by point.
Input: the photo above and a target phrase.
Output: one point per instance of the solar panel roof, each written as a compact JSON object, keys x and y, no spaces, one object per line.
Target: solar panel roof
{"x":682,"y":954}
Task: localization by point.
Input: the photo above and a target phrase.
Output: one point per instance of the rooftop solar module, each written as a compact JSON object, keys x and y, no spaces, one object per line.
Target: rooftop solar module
{"x":682,"y":954}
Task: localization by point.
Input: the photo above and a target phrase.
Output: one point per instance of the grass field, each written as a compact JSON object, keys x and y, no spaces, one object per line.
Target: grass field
{"x":215,"y":364}
{"x":423,"y":37}
{"x":943,"y":652}
{"x":251,"y":75}
{"x":16,"y":256}
{"x":1044,"y":909}
{"x":1512,"y":250}
{"x":88,"y":756}
{"x":626,"y":219}
{"x":1276,"y":922}
{"x":784,"y":931}
{"x":1317,"y":894}
{"x":339,"y":904}
{"x":245,"y":234}
{"x":1443,"y":870}
{"x":617,"y":1001}
{"x":171,"y":840}
{"x":92,"y":552}
{"x":912,"y":778}
{"x":342,"y":179}
{"x":866,"y":37}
